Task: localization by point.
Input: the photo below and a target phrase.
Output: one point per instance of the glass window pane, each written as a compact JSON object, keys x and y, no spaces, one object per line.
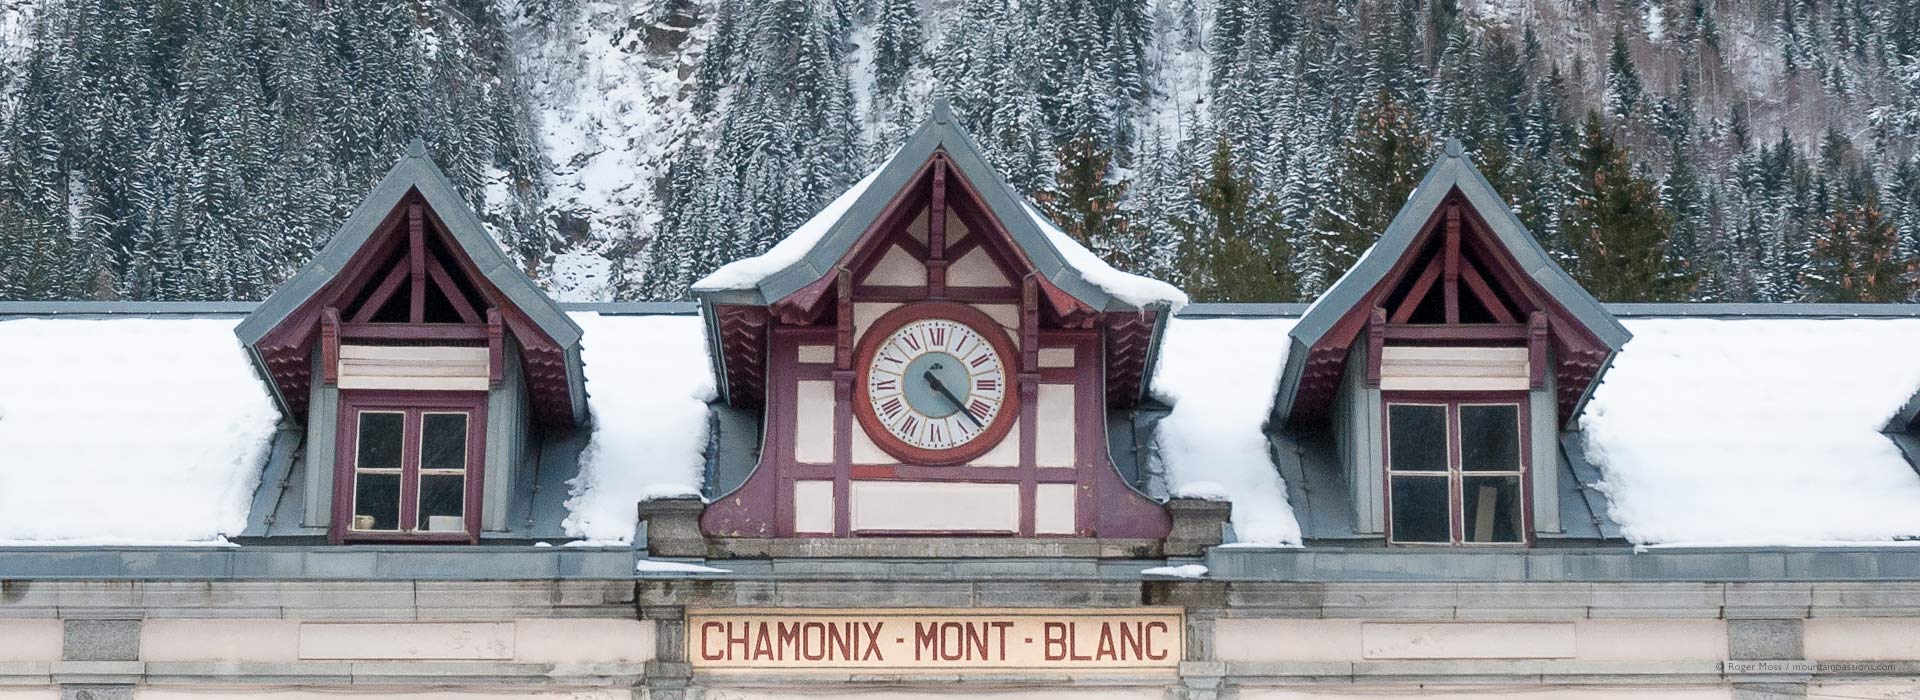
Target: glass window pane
{"x":379,"y":440}
{"x":1420,"y":509}
{"x":1492,"y":505}
{"x":1490,"y":438}
{"x":376,"y":501}
{"x":1417,"y":437}
{"x":441,"y":498}
{"x":443,"y":441}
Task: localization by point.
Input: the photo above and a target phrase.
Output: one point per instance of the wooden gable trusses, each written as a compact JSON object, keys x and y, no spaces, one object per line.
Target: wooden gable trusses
{"x":413,"y":266}
{"x":1455,"y":266}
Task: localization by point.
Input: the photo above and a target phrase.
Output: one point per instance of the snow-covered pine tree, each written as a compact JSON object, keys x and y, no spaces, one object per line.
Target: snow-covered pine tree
{"x":1617,"y":230}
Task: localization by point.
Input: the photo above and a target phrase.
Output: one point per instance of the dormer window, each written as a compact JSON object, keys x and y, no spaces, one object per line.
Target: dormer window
{"x":426,"y":368}
{"x":1445,"y":364}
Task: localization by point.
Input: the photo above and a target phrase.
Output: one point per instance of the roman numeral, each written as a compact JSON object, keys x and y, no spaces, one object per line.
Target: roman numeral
{"x":912,"y":342}
{"x":934,"y":430}
{"x":891,"y":407}
{"x":910,"y":425}
{"x":981,"y":360}
{"x":986,"y":385}
{"x":885,"y":385}
{"x":937,"y":337}
{"x":979,"y":408}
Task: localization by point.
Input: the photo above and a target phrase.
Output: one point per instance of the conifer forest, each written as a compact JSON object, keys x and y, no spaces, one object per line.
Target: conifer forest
{"x":1246,"y":150}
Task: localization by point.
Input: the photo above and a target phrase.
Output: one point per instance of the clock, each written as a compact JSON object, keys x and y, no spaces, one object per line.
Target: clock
{"x":934,"y":383}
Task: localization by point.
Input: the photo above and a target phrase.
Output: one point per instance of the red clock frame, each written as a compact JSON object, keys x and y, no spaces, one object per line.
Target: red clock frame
{"x":884,"y":328}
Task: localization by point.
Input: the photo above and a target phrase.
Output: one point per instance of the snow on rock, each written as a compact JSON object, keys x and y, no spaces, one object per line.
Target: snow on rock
{"x":747,"y":273}
{"x":1220,"y":375}
{"x":654,"y":566}
{"x":1182,"y":571}
{"x":648,"y":384}
{"x":1757,"y":431}
{"x":1125,"y":286}
{"x":128,"y":431}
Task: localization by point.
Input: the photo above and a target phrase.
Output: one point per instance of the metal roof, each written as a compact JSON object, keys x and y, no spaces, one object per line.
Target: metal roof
{"x":1453,"y":171}
{"x":939,"y":133}
{"x":417,"y":172}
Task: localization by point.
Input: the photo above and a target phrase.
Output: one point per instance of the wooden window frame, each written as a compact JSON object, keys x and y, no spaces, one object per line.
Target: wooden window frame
{"x":414,"y":406}
{"x":1453,"y":401}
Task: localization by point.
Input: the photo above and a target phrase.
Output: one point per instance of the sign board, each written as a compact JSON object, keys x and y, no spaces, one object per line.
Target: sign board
{"x":907,"y":640}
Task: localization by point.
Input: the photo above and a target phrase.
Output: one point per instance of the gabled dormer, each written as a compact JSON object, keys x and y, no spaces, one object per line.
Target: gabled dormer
{"x":930,"y":356}
{"x":1446,"y":363}
{"x":422,"y":362}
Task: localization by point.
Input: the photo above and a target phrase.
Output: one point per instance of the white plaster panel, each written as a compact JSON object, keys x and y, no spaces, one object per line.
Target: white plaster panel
{"x":1468,"y":640}
{"x":1097,"y":693}
{"x":1054,"y":429}
{"x":865,"y":313}
{"x":813,"y":506}
{"x":1651,"y":640}
{"x":1056,"y":357}
{"x":563,"y":641}
{"x":30,"y":640}
{"x":1890,"y":689}
{"x":1240,"y":639}
{"x":863,"y":449}
{"x":934,"y":505}
{"x":1862,"y":639}
{"x":897,"y":268}
{"x":479,"y":691}
{"x":1503,"y":692}
{"x":815,"y":354}
{"x":813,"y":422}
{"x":34,"y":693}
{"x":956,"y":231}
{"x":407,"y":640}
{"x":976,"y":269}
{"x":1008,"y":316}
{"x":1005,"y":454}
{"x":1053,"y":509}
{"x":220,"y":640}
{"x":917,"y":227}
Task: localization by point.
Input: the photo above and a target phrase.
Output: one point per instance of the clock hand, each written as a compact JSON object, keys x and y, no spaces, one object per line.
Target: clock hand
{"x":939,"y":386}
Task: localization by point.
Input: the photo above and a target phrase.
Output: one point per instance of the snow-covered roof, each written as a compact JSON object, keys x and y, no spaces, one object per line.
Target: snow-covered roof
{"x":1709,"y":431}
{"x":810,"y":252}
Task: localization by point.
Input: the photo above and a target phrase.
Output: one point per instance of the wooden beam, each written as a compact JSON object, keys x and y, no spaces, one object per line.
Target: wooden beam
{"x":330,"y":344}
{"x":452,"y":291}
{"x":1452,"y":257}
{"x":413,"y":331}
{"x":1459,"y":332}
{"x":1421,"y":286}
{"x":843,"y":320}
{"x":937,"y":231}
{"x":1029,"y":324}
{"x":1483,"y":292}
{"x":381,"y":294}
{"x":417,"y":261}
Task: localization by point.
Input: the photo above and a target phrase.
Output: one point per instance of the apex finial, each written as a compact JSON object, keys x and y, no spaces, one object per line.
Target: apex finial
{"x":942,"y":111}
{"x":1454,"y":149}
{"x":416,"y":148}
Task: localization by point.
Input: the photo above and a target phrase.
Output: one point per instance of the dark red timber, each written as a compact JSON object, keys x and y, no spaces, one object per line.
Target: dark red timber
{"x":1456,"y":286}
{"x":763,"y":366}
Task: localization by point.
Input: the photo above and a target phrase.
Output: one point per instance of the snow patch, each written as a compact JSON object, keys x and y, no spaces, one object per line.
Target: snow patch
{"x":648,"y":388}
{"x":1182,"y":571}
{"x":747,"y":273}
{"x":1220,"y":375}
{"x":1127,"y":287}
{"x":1757,"y":431}
{"x":128,"y":432}
{"x":654,"y":566}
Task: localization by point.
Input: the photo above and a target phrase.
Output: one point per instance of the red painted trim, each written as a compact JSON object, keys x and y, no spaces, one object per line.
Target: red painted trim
{"x":1421,"y":286}
{"x":937,"y":231}
{"x":413,"y":404}
{"x":1537,"y":350}
{"x":443,"y":281}
{"x":496,"y":348}
{"x":1376,"y":344}
{"x":1470,"y":274}
{"x":381,"y":295}
{"x":1452,"y":258}
{"x":417,"y":262}
{"x":408,"y":331}
{"x":893,"y":320}
{"x":964,"y":295}
{"x":330,"y":345}
{"x":1477,"y":332}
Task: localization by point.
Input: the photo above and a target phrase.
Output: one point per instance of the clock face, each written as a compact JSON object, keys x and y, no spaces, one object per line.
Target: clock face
{"x":936,"y":385}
